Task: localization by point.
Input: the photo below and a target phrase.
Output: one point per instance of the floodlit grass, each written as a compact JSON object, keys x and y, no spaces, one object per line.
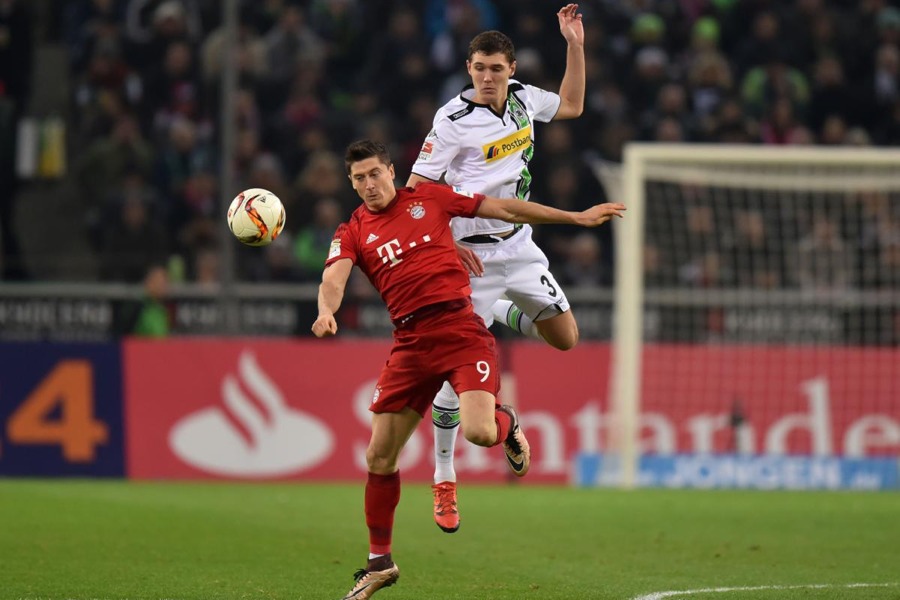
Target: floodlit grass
{"x":114,"y":540}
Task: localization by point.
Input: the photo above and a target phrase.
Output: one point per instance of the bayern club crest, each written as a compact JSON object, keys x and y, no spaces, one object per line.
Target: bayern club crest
{"x":416,"y":210}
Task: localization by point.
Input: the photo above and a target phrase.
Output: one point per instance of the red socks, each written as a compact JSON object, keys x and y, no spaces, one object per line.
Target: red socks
{"x":504,"y":422}
{"x":382,"y":497}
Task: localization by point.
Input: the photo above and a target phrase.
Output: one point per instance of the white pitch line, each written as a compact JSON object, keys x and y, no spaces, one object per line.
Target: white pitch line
{"x":720,"y":590}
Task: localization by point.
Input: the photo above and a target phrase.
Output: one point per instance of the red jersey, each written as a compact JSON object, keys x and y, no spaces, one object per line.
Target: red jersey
{"x":406,"y":250}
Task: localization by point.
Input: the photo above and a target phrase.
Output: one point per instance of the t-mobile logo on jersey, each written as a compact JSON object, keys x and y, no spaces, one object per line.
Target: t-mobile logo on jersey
{"x":392,"y":250}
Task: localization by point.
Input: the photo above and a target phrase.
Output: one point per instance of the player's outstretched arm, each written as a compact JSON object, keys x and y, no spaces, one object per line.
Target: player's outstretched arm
{"x":517,"y":211}
{"x":331,"y":293}
{"x":572,"y":88}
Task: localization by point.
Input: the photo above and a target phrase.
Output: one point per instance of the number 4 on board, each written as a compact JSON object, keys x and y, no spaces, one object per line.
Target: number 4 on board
{"x":70,"y":385}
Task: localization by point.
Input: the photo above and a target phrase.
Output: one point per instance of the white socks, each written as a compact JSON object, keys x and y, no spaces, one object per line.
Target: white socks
{"x":512,"y":316}
{"x":445,"y":416}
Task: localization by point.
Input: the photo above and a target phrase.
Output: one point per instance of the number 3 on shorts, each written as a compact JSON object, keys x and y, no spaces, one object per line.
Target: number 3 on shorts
{"x":484,"y":368}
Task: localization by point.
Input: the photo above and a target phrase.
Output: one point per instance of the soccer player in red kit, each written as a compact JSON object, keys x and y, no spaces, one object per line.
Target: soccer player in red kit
{"x":401,"y":240}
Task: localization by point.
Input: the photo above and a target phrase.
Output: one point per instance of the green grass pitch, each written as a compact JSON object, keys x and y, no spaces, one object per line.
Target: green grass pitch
{"x":112,"y":540}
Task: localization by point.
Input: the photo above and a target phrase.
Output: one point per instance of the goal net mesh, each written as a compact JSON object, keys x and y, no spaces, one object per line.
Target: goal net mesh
{"x":771,"y":306}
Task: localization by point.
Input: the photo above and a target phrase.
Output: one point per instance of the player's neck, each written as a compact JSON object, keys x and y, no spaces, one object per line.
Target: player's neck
{"x":498,"y":106}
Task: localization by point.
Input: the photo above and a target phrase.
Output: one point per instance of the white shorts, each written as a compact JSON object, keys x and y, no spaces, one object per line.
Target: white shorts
{"x":517,"y":268}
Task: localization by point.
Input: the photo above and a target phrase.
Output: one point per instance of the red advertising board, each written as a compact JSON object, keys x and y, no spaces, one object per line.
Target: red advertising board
{"x":265,"y":409}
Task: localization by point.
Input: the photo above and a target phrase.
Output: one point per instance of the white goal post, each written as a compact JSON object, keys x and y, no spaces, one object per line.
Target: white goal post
{"x":781,"y":347}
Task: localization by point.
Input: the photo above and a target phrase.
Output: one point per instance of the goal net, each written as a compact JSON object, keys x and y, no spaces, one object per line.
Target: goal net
{"x":756,"y":320}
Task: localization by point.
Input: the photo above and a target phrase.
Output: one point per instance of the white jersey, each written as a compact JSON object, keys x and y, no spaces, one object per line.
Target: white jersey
{"x":479,"y":150}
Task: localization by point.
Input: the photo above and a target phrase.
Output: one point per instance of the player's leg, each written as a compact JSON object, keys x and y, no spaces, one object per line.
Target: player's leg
{"x":390,"y":432}
{"x":507,"y":313}
{"x":560,"y":330}
{"x":486,"y":423}
{"x":532,"y":287}
{"x":445,"y":418}
{"x":445,"y":408}
{"x":476,"y":378}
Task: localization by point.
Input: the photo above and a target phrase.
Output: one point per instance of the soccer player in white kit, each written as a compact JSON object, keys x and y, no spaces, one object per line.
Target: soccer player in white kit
{"x":482,"y":141}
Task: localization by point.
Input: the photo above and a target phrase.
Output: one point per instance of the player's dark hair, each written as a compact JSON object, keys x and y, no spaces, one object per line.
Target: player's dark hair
{"x":363,"y":149}
{"x":493,"y":42}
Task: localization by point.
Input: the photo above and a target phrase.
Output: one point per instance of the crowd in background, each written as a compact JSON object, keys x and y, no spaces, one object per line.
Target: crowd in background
{"x":316,"y":74}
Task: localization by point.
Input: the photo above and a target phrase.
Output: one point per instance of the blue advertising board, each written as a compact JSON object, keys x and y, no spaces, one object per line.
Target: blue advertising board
{"x":61,"y":410}
{"x":763,"y":472}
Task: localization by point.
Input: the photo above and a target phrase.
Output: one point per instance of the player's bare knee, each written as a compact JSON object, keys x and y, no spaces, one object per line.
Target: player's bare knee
{"x":379,"y":462}
{"x":563,"y":340}
{"x":570,"y":340}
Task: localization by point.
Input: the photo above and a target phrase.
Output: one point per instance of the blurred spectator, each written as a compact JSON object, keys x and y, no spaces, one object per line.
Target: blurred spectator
{"x":888,"y":270}
{"x":878,"y":231}
{"x":857,"y":136}
{"x":771,"y":80}
{"x":732,"y":126}
{"x":764,"y":42}
{"x":885,"y":84}
{"x":151,"y":316}
{"x":290,"y":44}
{"x":249,"y":56}
{"x":101,"y":168}
{"x":278,"y":264}
{"x":313,"y":240}
{"x":88,"y":24}
{"x":105,"y":89}
{"x":450,"y":24}
{"x":672,"y":106}
{"x":181,"y":158}
{"x":322,"y":177}
{"x":152,"y":25}
{"x":172,"y":89}
{"x":196,"y":219}
{"x":834,"y":131}
{"x":780,"y":126}
{"x":824,"y":260}
{"x":706,"y":270}
{"x":584,"y":265}
{"x":207,"y":267}
{"x":700,"y":264}
{"x":136,"y":241}
{"x":709,"y":78}
{"x":755,"y":253}
{"x":657,"y":273}
{"x":831,"y":95}
{"x":341,"y":25}
{"x":649,"y":75}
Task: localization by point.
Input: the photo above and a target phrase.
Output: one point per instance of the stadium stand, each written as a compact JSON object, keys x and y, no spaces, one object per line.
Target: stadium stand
{"x":137,"y":82}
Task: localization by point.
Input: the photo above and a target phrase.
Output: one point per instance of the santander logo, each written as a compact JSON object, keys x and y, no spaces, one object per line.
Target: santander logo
{"x":254,"y":433}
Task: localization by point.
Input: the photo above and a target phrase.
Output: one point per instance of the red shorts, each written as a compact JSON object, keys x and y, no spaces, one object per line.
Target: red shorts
{"x":443,"y":342}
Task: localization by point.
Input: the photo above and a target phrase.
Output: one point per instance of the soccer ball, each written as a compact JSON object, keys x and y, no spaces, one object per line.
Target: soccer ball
{"x":256,"y":217}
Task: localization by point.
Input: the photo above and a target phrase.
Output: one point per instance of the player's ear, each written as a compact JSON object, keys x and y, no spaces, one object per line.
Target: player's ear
{"x":512,"y":68}
{"x":391,"y":170}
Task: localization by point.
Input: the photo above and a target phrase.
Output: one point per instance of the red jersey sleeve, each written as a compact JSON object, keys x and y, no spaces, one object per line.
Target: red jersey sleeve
{"x":455,"y":201}
{"x":343,"y":245}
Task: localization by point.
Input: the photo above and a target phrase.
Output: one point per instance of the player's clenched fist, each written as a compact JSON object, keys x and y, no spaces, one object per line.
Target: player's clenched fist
{"x":324,"y":325}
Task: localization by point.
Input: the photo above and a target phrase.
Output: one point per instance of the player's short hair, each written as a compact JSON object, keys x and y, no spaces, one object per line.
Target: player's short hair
{"x":363,"y":149}
{"x":493,"y":42}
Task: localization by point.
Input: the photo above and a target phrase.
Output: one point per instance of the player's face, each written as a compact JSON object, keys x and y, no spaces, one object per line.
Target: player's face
{"x":490,"y":75}
{"x":374,"y":182}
